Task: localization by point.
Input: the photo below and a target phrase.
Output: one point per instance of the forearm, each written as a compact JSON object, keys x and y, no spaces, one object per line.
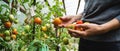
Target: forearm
{"x":111,"y":25}
{"x":78,"y":17}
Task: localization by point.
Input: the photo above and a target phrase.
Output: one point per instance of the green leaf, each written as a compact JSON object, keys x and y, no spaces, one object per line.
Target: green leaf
{"x":63,"y":49}
{"x":1,"y":39}
{"x":31,"y":48}
{"x":26,"y":5}
{"x":26,"y":1}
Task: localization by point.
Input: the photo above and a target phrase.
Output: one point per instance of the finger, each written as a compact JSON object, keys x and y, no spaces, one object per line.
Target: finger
{"x":75,"y":35}
{"x":61,"y":25}
{"x":82,"y":25}
{"x":65,"y":19}
{"x":79,"y":33}
{"x":72,"y":34}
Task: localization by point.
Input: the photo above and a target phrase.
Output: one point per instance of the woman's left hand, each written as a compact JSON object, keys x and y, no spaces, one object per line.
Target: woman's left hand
{"x":90,"y":29}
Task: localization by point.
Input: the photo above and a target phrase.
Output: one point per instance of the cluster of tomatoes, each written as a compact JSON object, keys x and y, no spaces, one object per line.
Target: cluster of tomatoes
{"x":37,"y":21}
{"x":9,"y":33}
{"x":8,"y":23}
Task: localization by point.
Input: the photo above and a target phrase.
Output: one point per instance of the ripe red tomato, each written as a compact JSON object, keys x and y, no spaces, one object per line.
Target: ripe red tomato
{"x":7,"y":24}
{"x":79,"y":22}
{"x":79,"y":28}
{"x":37,"y":20}
{"x":14,"y":31}
{"x":57,"y":21}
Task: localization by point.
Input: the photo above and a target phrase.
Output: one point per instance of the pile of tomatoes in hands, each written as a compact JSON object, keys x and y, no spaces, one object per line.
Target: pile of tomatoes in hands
{"x":58,"y":21}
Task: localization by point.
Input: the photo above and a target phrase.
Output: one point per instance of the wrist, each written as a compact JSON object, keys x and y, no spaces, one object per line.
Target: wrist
{"x":104,"y":28}
{"x":111,"y":25}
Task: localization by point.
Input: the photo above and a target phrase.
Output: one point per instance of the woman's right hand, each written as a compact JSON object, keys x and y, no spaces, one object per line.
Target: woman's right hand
{"x":67,"y":20}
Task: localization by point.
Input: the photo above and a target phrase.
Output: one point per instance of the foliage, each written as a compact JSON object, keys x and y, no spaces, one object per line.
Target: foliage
{"x":30,"y":36}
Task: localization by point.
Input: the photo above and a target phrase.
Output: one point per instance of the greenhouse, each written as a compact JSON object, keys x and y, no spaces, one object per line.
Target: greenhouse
{"x":59,"y":25}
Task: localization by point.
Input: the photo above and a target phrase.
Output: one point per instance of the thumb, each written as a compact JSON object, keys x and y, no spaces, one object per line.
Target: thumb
{"x":65,"y":19}
{"x":82,"y":25}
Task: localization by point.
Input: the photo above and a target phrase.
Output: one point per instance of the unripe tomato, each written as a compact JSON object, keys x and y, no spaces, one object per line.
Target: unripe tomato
{"x":65,"y":41}
{"x":16,"y":21}
{"x":37,"y":20}
{"x":71,"y":26}
{"x":48,"y":25}
{"x":23,"y":33}
{"x":45,"y":36}
{"x":13,"y":36}
{"x":27,"y":27}
{"x":11,"y":17}
{"x":44,"y":28}
{"x":7,"y":24}
{"x":7,"y":38}
{"x":57,"y":21}
{"x":7,"y":32}
{"x":86,"y":23}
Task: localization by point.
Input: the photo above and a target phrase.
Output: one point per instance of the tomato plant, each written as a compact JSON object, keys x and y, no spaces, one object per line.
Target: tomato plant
{"x":35,"y":30}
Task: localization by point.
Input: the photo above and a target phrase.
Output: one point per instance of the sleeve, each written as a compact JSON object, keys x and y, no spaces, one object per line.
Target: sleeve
{"x":118,"y":18}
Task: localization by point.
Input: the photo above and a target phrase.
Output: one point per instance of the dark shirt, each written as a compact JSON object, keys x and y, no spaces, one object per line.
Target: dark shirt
{"x":100,"y":12}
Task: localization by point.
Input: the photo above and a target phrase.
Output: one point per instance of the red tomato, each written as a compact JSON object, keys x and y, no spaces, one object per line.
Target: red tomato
{"x":79,"y":22}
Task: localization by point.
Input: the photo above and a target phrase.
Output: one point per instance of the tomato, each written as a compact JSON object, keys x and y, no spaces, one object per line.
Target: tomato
{"x":11,"y":17}
{"x":16,"y":21}
{"x":27,"y":27}
{"x":79,"y":28}
{"x":48,"y":25}
{"x":37,"y":20}
{"x":14,"y":31}
{"x":2,"y":35}
{"x":86,"y":23}
{"x":71,"y":26}
{"x":44,"y":28}
{"x":45,"y":36}
{"x":57,"y":21}
{"x":23,"y":33}
{"x":7,"y":24}
{"x":8,"y":38}
{"x":13,"y":37}
{"x":7,"y":32}
{"x":79,"y":22}
{"x":65,"y":41}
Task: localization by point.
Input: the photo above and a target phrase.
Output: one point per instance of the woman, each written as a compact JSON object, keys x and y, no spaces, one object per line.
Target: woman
{"x":103,"y":32}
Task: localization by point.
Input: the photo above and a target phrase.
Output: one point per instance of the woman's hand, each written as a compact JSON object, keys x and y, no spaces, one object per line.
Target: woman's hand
{"x":66,"y":20}
{"x":90,"y":29}
{"x":69,"y":20}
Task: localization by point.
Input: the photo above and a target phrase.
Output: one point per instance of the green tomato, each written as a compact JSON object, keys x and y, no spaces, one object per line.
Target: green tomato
{"x":27,"y":27}
{"x":7,"y":38}
{"x":48,"y":25}
{"x":65,"y":41}
{"x":11,"y":17}
{"x":16,"y":21}
{"x":7,"y":33}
